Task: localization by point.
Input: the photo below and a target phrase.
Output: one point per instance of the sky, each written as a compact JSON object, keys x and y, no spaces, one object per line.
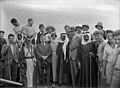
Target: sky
{"x":59,"y":13}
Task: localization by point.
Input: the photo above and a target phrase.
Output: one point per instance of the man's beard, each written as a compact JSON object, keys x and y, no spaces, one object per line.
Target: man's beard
{"x":86,"y":40}
{"x":19,"y":39}
{"x":63,"y":39}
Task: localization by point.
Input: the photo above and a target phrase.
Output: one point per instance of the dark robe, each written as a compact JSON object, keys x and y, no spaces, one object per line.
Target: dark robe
{"x":60,"y":64}
{"x":67,"y":69}
{"x":88,"y":72}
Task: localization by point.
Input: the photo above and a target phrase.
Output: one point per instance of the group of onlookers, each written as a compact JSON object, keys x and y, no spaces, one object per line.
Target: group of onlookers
{"x":77,"y":58}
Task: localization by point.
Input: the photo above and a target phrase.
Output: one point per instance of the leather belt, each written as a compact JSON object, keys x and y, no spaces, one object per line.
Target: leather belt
{"x":29,"y":57}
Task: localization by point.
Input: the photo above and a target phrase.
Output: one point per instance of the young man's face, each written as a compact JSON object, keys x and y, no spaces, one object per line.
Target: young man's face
{"x":85,"y":28}
{"x":63,"y":37}
{"x":110,"y":37}
{"x":1,"y":35}
{"x":42,"y":28}
{"x":19,"y":36}
{"x":86,"y":37}
{"x":98,"y":37}
{"x":28,"y":42}
{"x":42,"y":39}
{"x":30,"y":22}
{"x":99,"y":27}
{"x":53,"y":36}
{"x":11,"y":39}
{"x":79,"y":30}
{"x":72,"y":34}
{"x":117,"y":40}
{"x":66,"y":29}
{"x":50,"y":30}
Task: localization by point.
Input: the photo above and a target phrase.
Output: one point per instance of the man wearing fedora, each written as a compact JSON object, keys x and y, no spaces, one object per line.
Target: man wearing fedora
{"x":49,"y":29}
{"x":43,"y":56}
{"x":85,"y":27}
{"x":99,"y":26}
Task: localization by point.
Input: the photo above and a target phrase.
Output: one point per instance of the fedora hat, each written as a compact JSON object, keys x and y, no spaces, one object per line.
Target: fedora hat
{"x":1,"y":31}
{"x":85,"y":25}
{"x":99,"y":24}
{"x":45,"y":64}
{"x":47,"y":28}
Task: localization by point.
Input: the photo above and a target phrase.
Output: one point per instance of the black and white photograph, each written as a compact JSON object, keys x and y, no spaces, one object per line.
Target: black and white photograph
{"x":59,"y":43}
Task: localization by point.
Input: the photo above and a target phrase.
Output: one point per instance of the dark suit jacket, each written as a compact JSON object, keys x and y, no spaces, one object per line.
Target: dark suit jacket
{"x":42,"y":50}
{"x":74,"y":44}
{"x":2,"y":42}
{"x":7,"y":55}
{"x":38,"y":38}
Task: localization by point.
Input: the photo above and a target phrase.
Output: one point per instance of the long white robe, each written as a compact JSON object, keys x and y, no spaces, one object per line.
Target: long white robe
{"x":30,"y":66}
{"x":54,"y":44}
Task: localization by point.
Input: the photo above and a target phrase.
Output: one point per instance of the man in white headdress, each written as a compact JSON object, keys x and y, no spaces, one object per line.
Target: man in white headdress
{"x":88,"y":66}
{"x":61,"y":53}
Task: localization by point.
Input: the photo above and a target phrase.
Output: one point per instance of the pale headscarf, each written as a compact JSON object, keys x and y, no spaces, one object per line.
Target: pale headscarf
{"x":86,"y":42}
{"x":64,"y":45}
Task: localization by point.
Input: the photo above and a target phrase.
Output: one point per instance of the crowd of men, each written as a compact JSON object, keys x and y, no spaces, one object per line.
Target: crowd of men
{"x":77,"y":59}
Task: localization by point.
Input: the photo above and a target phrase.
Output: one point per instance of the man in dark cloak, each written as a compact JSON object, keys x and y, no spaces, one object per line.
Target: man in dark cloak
{"x":88,"y":66}
{"x":61,"y":52}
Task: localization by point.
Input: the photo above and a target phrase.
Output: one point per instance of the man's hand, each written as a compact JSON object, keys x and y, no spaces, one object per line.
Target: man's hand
{"x":66,"y":61}
{"x":44,"y":57}
{"x":79,"y":65}
{"x":103,"y":77}
{"x":34,"y":62}
{"x":91,"y":54}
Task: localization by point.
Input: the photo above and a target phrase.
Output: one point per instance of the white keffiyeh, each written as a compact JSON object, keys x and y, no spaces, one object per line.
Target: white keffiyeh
{"x":86,"y":42}
{"x":64,"y":45}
